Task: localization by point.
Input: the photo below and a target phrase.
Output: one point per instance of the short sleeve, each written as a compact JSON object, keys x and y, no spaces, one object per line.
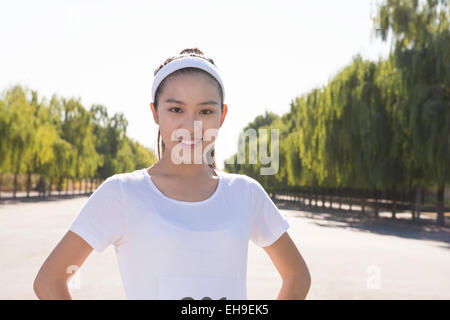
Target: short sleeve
{"x":267,"y":223}
{"x":101,"y":221}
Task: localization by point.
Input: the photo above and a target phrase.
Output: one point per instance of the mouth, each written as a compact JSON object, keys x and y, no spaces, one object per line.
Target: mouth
{"x":190,"y":143}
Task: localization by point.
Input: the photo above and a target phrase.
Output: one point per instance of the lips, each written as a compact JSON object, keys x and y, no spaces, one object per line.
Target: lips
{"x":190,"y":143}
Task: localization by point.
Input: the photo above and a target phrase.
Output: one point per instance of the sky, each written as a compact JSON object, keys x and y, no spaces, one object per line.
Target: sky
{"x":105,"y":52}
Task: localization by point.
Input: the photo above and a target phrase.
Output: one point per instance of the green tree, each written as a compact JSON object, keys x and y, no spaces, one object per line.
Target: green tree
{"x":421,"y":38}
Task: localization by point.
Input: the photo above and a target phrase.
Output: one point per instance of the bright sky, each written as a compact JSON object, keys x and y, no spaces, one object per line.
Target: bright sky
{"x":105,"y":52}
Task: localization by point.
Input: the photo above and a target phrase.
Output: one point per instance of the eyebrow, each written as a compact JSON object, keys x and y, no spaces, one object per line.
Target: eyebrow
{"x":200,"y":104}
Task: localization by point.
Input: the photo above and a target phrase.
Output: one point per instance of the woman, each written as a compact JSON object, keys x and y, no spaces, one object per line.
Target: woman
{"x":180,"y":227}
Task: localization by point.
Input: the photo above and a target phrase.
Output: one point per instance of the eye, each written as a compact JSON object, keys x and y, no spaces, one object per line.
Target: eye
{"x":208,"y":110}
{"x":174,"y":108}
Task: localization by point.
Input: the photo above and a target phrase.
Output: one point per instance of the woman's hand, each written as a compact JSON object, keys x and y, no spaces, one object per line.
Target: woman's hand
{"x":292,"y":268}
{"x":62,"y":263}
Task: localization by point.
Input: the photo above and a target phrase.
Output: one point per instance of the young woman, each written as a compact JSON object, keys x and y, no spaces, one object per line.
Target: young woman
{"x":180,"y":227}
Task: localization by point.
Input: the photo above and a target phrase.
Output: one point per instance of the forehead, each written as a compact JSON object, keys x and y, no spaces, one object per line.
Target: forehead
{"x":192,"y":84}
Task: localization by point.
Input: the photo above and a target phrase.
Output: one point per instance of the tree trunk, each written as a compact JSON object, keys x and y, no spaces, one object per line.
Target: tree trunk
{"x":350,"y":200}
{"x":38,"y":187}
{"x":340,"y":198}
{"x":418,"y":200}
{"x":331,"y":199}
{"x":315,"y":198}
{"x":1,"y":184}
{"x":440,"y":205}
{"x":411,"y":201}
{"x":363,"y":208}
{"x":394,"y":205}
{"x":323,"y":198}
{"x":309,"y":197}
{"x":15,"y":185}
{"x":44,"y":186}
{"x":376,"y":204}
{"x":28,"y":183}
{"x":50,"y":185}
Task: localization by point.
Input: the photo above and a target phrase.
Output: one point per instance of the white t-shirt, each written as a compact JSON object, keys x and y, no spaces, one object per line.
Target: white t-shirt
{"x":171,"y":249}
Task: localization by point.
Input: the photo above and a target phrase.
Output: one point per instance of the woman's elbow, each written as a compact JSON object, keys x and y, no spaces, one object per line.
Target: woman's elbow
{"x":298,"y":285}
{"x":306,"y":281}
{"x":50,"y":288}
{"x":40,"y":284}
{"x":304,"y":284}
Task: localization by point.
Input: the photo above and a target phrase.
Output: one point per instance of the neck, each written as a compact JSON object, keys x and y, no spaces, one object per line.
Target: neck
{"x":182,"y":169}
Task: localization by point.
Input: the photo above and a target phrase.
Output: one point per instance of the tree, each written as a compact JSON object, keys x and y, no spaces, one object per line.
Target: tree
{"x":421,"y":38}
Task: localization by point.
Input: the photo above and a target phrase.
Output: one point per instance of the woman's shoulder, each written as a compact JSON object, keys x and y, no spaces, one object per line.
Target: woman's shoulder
{"x":132,"y":177}
{"x":237,"y":179}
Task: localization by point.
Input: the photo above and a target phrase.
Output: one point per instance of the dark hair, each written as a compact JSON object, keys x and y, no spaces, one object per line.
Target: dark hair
{"x":195,"y":52}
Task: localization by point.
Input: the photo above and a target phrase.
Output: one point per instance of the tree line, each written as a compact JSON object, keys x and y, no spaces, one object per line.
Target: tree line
{"x":60,"y":140}
{"x":376,"y":124}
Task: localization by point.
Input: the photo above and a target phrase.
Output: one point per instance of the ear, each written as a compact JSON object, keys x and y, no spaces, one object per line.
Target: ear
{"x":224,"y":113}
{"x":155,"y":114}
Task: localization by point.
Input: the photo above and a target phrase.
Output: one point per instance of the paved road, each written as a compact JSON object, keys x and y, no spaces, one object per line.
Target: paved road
{"x":348,"y":258}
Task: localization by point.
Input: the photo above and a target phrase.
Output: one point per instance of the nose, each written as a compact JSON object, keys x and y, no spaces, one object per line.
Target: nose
{"x":193,"y":124}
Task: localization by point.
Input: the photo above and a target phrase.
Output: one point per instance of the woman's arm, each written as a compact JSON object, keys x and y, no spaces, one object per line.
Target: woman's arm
{"x":68,"y":255}
{"x":292,"y":268}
